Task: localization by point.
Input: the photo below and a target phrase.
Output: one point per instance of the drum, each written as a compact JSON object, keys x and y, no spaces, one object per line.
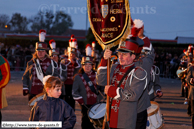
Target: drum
{"x":96,"y":114}
{"x":155,"y":120}
{"x":35,"y":99}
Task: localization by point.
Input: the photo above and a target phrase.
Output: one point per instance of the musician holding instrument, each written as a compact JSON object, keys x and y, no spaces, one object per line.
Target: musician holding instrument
{"x":190,"y":82}
{"x":62,"y":69}
{"x":128,"y":86}
{"x":181,"y":72}
{"x":85,"y":88}
{"x":51,"y":107}
{"x":39,"y":66}
{"x":146,"y":61}
{"x":73,"y":65}
{"x":154,"y":87}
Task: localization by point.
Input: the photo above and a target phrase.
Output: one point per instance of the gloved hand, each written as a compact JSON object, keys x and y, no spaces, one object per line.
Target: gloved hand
{"x":159,"y":94}
{"x":147,"y":44}
{"x":25,"y":92}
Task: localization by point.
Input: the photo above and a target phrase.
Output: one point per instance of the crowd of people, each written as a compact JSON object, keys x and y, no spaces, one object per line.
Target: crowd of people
{"x":168,"y":64}
{"x":18,"y":56}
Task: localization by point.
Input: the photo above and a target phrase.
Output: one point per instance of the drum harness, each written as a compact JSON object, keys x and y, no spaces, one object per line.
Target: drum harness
{"x":91,"y":85}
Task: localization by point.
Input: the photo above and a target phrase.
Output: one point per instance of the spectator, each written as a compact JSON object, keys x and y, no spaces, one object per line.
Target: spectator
{"x":174,"y":66}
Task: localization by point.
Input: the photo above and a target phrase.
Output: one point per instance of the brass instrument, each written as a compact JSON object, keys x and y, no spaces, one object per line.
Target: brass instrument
{"x":181,"y":73}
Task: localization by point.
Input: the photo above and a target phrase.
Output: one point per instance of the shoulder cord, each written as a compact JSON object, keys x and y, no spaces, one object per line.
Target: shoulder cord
{"x":133,"y":75}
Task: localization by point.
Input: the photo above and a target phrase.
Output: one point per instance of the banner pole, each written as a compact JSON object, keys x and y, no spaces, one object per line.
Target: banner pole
{"x":107,"y":116}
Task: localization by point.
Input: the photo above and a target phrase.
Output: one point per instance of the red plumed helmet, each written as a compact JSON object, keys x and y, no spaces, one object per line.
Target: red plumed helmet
{"x":72,"y":36}
{"x":52,"y":44}
{"x":42,"y":35}
{"x":137,"y":26}
{"x":88,"y":50}
{"x":93,"y":44}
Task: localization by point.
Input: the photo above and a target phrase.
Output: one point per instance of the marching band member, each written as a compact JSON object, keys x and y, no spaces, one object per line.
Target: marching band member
{"x":62,"y":70}
{"x":182,"y":74}
{"x":190,"y":82}
{"x":85,"y":88}
{"x":146,"y":63}
{"x":54,"y":54}
{"x":153,"y":77}
{"x":95,"y":55}
{"x":154,"y":84}
{"x":130,"y":99}
{"x":39,"y":66}
{"x":186,"y":62}
{"x":73,"y":65}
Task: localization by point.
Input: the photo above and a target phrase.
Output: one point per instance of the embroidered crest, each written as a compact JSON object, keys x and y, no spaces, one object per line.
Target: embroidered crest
{"x":87,"y":59}
{"x":104,"y":10}
{"x":123,"y":44}
{"x":39,"y":45}
{"x":90,"y":83}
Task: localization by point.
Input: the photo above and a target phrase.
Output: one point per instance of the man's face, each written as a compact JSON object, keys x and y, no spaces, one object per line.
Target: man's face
{"x":55,"y":58}
{"x":41,"y":53}
{"x":87,"y":67}
{"x":72,"y":55}
{"x":125,"y":58}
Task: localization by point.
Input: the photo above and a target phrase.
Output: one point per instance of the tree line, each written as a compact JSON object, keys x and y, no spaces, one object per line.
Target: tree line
{"x":54,"y":24}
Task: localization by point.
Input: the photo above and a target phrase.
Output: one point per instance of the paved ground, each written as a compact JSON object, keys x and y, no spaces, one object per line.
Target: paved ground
{"x":171,"y":105}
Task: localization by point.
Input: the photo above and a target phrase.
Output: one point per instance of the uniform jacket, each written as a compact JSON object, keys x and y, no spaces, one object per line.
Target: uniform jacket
{"x":53,"y":109}
{"x":62,"y":69}
{"x":146,"y":63}
{"x":4,"y":79}
{"x":154,"y":83}
{"x":81,"y":90}
{"x":28,"y":74}
{"x":129,"y":96}
{"x":190,"y":75}
{"x":71,"y":70}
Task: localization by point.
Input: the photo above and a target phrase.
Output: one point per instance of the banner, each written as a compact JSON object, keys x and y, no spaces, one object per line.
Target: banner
{"x":110,"y":21}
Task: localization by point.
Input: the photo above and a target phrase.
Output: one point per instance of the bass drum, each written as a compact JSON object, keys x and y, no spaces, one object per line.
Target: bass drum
{"x":155,"y":120}
{"x":35,"y":99}
{"x":96,"y":114}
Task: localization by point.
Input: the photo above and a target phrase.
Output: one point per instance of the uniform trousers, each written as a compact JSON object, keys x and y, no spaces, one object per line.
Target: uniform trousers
{"x":190,"y":111}
{"x":182,"y":87}
{"x":86,"y":124}
{"x":141,"y":120}
{"x":68,"y":96}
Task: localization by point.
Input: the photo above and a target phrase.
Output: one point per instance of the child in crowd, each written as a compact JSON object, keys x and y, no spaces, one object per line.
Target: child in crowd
{"x":51,"y":107}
